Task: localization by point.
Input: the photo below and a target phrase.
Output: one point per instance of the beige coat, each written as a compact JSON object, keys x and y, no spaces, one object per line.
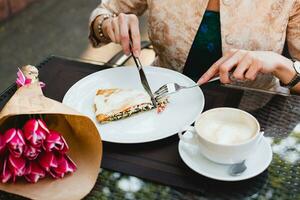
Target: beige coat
{"x":245,"y":24}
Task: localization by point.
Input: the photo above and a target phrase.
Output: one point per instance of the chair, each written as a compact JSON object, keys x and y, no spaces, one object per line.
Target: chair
{"x":120,"y":59}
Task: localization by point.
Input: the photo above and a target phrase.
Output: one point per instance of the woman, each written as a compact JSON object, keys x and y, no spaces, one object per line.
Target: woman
{"x":235,"y":39}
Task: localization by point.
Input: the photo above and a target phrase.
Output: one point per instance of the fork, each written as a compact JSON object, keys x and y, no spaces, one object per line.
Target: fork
{"x":171,"y":88}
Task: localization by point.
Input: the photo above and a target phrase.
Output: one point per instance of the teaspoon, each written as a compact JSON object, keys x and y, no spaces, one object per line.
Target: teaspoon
{"x":237,"y":169}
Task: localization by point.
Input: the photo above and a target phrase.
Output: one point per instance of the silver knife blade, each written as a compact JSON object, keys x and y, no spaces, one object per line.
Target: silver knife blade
{"x":143,"y":76}
{"x":146,"y":85}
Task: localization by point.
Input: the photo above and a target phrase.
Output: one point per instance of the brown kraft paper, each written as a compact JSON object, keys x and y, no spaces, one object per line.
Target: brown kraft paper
{"x":80,"y":133}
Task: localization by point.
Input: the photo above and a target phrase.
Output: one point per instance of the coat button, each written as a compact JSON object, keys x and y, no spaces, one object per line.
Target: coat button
{"x":227,"y":2}
{"x":229,"y":39}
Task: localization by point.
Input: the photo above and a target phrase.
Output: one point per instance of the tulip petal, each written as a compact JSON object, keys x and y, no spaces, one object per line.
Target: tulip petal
{"x":28,"y":81}
{"x":32,"y":178}
{"x":2,"y":144}
{"x":31,"y":152}
{"x":56,"y":175}
{"x":20,"y":78}
{"x":64,"y":165}
{"x":47,"y":160}
{"x":55,"y":141}
{"x":10,"y":134}
{"x":5,"y":173}
{"x":34,"y":168}
{"x":35,"y":131}
{"x":59,"y":170}
{"x":19,"y":83}
{"x":71,"y":165}
{"x":15,"y":141}
{"x":29,"y":128}
{"x":17,"y":165}
{"x":34,"y":172}
{"x":66,"y":147}
{"x":20,"y":136}
{"x":53,"y":137}
{"x":42,"y":84}
{"x":43,"y":126}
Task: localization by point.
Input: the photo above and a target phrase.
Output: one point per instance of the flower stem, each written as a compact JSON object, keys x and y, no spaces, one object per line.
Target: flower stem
{"x":41,"y":117}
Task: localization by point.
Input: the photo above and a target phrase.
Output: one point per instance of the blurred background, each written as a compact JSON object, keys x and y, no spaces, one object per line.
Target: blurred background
{"x":32,"y":30}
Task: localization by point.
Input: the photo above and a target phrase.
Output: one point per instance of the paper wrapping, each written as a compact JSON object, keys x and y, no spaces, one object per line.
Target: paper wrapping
{"x":81,"y":136}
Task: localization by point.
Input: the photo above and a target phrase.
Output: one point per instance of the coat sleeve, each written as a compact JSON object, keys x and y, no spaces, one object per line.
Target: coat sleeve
{"x":136,"y":7}
{"x":293,"y":31}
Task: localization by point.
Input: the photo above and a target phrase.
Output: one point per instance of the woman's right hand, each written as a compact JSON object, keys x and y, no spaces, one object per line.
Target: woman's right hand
{"x":119,"y":29}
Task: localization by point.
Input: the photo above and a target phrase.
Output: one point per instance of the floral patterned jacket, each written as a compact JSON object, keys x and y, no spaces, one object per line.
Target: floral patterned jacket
{"x":245,"y":24}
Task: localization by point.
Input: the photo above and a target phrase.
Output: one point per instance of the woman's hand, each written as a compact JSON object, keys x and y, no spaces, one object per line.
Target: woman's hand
{"x":119,"y":29}
{"x":246,"y":65}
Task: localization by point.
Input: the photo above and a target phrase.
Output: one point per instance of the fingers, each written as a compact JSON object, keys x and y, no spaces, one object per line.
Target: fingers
{"x":122,"y":29}
{"x":228,"y":65}
{"x":135,"y":35}
{"x":108,"y":29}
{"x":116,"y":30}
{"x":214,"y":69}
{"x":242,"y":66}
{"x":246,"y":65}
{"x":253,"y":70}
{"x":124,"y":33}
{"x":248,"y":68}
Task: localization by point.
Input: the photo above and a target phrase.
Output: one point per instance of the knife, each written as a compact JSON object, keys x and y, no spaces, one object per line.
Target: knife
{"x":278,"y":91}
{"x":281,"y":91}
{"x":143,"y":77}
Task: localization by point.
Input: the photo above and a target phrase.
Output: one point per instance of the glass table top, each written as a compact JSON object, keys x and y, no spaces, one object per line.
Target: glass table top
{"x":279,"y":116}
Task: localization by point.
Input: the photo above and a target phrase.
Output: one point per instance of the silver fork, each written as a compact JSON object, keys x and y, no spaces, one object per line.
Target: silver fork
{"x":171,"y":88}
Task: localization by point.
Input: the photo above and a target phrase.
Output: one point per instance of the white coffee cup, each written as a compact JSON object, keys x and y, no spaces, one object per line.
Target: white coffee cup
{"x":225,"y":135}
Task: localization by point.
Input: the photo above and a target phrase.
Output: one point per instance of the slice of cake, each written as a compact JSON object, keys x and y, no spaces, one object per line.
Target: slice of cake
{"x":115,"y":104}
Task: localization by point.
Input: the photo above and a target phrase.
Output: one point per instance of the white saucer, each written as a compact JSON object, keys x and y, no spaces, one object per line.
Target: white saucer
{"x":256,"y":163}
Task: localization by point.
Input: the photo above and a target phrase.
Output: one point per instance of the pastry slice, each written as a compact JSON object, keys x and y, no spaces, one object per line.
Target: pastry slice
{"x":115,"y":104}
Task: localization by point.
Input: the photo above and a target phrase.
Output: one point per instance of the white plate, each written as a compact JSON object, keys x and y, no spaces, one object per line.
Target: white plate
{"x":256,"y":163}
{"x":183,"y":109}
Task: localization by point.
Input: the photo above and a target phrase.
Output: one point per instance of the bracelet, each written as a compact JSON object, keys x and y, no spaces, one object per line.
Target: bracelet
{"x":99,"y":26}
{"x":296,"y":79}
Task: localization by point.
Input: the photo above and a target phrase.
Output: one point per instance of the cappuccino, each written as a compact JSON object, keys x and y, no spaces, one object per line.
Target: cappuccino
{"x":227,"y":128}
{"x":226,"y":132}
{"x":225,"y":135}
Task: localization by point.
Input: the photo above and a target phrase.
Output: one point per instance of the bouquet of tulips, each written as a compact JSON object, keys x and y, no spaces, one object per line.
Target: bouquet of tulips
{"x":33,"y":152}
{"x":40,"y":142}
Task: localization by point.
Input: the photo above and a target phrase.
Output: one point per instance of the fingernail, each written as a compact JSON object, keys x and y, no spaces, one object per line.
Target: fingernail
{"x":200,"y":80}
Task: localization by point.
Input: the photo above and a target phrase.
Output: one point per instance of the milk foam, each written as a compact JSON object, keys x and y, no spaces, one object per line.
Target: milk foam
{"x":226,"y":132}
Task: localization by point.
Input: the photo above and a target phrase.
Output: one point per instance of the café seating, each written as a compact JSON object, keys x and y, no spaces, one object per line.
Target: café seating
{"x":147,"y":56}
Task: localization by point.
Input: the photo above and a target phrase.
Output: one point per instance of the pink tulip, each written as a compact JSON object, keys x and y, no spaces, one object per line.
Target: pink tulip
{"x":64,"y":165}
{"x":5,"y":173}
{"x":55,"y":174}
{"x":47,"y":160}
{"x":17,"y":166}
{"x":2,"y":144}
{"x":15,"y":141}
{"x":22,"y":80}
{"x":35,"y":131}
{"x":34,"y":172}
{"x":31,"y":152}
{"x":55,"y":141}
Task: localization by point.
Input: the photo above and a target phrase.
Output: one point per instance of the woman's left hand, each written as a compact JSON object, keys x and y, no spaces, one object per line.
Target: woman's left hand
{"x":246,"y":65}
